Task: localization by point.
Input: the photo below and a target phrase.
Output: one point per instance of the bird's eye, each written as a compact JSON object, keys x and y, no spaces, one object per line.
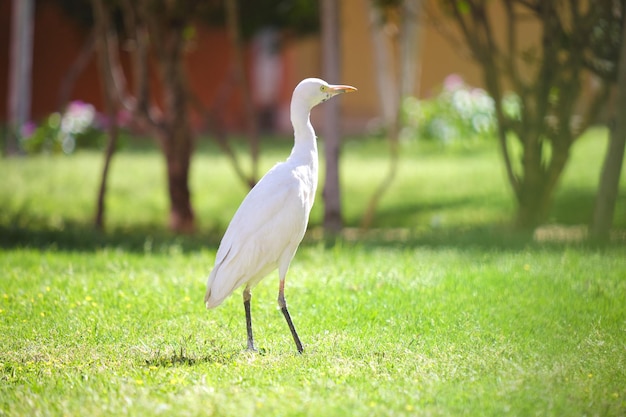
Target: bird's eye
{"x":323,"y":88}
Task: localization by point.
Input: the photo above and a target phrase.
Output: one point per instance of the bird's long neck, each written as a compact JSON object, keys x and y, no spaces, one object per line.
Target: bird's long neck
{"x":305,"y":143}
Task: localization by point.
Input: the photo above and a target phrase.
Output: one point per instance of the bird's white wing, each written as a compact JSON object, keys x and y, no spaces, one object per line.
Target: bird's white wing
{"x":270,"y":221}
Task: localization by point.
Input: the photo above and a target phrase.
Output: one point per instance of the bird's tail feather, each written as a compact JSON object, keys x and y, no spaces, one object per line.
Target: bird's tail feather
{"x":207,"y":295}
{"x":211,"y":302}
{"x":212,"y":297}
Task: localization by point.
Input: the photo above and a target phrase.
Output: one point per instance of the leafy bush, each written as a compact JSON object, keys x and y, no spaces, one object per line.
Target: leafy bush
{"x":76,"y":128}
{"x":458,"y":112}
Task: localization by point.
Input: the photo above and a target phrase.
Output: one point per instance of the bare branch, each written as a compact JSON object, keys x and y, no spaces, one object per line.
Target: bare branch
{"x":511,"y":57}
{"x":118,"y":79}
{"x":141,"y":104}
{"x":234,"y":29}
{"x":215,"y":126}
{"x":465,"y":29}
{"x":434,"y":20}
{"x":138,"y":39}
{"x":77,"y":67}
{"x":530,"y":5}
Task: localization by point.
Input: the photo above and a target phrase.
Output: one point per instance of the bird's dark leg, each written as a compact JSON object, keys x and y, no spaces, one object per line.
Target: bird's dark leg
{"x":283,"y":307}
{"x":246,"y":305}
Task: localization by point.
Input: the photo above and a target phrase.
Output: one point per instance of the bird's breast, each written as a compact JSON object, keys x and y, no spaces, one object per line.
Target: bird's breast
{"x":306,"y":177}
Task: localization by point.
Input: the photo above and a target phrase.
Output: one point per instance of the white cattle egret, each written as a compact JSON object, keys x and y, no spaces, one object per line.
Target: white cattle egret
{"x":266,"y":230}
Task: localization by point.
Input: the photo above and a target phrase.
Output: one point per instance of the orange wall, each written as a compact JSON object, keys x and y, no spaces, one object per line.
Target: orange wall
{"x":437,"y":60}
{"x":57,"y":42}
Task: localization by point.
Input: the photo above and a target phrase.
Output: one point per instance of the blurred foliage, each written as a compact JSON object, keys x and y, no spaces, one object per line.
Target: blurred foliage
{"x":458,"y":112}
{"x":571,"y":39}
{"x":592,"y":27}
{"x":79,"y":127}
{"x":298,"y":17}
{"x":605,"y":37}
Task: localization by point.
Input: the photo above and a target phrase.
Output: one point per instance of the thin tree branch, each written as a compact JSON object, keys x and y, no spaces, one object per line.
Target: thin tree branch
{"x":234,"y":30}
{"x":78,"y":66}
{"x":388,"y":100}
{"x":435,"y":21}
{"x":511,"y":57}
{"x":103,"y":40}
{"x":221,"y":139}
{"x":141,"y":105}
{"x":139,"y":39}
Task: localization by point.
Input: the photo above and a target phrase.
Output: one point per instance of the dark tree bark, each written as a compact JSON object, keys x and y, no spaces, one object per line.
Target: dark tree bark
{"x":331,"y":70}
{"x":105,"y":41}
{"x":612,"y":167}
{"x":393,"y":88}
{"x":157,"y":27}
{"x":174,"y":132}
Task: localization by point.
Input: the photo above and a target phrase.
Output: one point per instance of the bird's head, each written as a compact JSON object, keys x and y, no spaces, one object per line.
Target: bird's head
{"x":314,"y":91}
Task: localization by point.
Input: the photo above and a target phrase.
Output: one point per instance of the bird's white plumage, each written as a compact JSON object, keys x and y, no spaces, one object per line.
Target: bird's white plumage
{"x":270,"y":223}
{"x":278,"y":206}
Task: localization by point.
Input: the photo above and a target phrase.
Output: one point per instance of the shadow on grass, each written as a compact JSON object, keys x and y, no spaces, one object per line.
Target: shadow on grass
{"x":83,"y":238}
{"x":484,"y":237}
{"x":181,"y":357}
{"x":570,"y":213}
{"x":574,"y":206}
{"x":182,"y":354}
{"x":406,"y":213}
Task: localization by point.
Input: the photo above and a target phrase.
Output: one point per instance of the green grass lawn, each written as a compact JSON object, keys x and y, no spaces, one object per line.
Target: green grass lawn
{"x":447,"y":318}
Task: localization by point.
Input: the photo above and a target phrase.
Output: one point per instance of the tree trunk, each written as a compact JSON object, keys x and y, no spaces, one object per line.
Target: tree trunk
{"x":178,"y":156}
{"x":103,"y":37}
{"x":160,"y":25}
{"x":112,"y":135}
{"x":536,"y":188}
{"x":175,"y":133}
{"x":410,"y":48}
{"x":533,"y":206}
{"x":612,"y":167}
{"x":389,"y":101}
{"x":332,"y":138}
{"x":177,"y":146}
{"x":234,"y":29}
{"x":392,"y":93}
{"x":609,"y":181}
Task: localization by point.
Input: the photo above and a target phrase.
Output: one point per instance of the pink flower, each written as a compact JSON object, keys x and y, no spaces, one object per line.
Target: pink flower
{"x":28,"y":129}
{"x":453,"y":82}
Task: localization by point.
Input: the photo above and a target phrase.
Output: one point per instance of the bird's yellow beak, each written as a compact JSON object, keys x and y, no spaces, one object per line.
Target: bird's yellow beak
{"x":339,"y":89}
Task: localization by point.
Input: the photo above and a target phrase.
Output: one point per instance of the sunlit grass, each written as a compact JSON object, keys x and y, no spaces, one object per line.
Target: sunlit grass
{"x":455,"y":187}
{"x":432,"y":319}
{"x":387,"y":331}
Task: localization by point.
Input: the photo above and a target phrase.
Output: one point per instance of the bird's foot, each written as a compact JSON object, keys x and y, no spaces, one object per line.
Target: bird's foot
{"x":251,"y":347}
{"x":253,"y":350}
